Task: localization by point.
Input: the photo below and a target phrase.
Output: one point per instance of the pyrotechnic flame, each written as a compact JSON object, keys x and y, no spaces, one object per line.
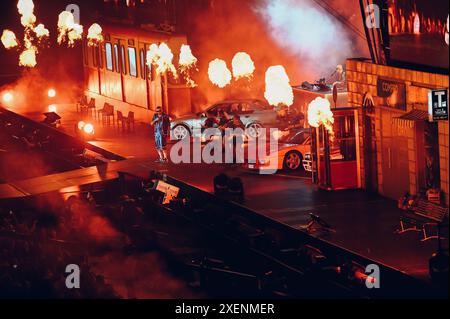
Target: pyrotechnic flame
{"x":243,"y":66}
{"x":187,"y":63}
{"x":162,"y":57}
{"x":278,"y":87}
{"x":69,"y":31}
{"x":95,"y":34}
{"x":26,"y":10}
{"x":41,"y":31}
{"x":28,"y":57}
{"x":9,"y":39}
{"x":218,"y":73}
{"x":319,"y":113}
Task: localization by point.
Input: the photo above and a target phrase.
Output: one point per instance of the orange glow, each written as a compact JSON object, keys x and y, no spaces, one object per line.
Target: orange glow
{"x":8,"y":97}
{"x":278,"y":88}
{"x":53,"y":108}
{"x":51,"y":93}
{"x":9,"y":39}
{"x":243,"y":66}
{"x":219,"y":74}
{"x":95,"y":34}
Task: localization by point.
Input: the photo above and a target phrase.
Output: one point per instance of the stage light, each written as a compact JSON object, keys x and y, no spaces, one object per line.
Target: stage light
{"x":51,"y":93}
{"x":53,"y":108}
{"x":8,"y":97}
{"x":88,"y":129}
{"x":81,"y":125}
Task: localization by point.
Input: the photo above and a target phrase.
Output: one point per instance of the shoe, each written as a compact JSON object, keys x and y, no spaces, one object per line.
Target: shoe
{"x":159,"y":160}
{"x":165,"y":161}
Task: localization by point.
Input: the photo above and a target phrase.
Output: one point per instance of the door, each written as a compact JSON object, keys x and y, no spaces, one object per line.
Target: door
{"x":370,"y":155}
{"x":395,"y":167}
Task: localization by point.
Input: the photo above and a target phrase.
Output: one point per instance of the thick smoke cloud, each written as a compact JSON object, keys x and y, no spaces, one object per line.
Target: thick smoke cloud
{"x":305,"y":29}
{"x":298,"y":34}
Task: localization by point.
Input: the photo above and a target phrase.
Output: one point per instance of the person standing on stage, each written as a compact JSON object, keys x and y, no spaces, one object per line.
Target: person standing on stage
{"x":161,"y":122}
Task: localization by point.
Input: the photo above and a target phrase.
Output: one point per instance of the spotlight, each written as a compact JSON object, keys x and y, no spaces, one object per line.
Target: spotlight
{"x":8,"y":97}
{"x":80,"y":125}
{"x":88,"y":129}
{"x":85,"y":130}
{"x":51,"y":93}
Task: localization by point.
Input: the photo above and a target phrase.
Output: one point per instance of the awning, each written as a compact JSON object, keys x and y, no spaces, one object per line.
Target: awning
{"x":409,"y":119}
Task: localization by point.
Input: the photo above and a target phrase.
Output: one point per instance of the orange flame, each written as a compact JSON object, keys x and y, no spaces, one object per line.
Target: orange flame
{"x":69,"y":31}
{"x":243,"y":66}
{"x":26,"y":10}
{"x":219,"y":74}
{"x":41,"y":31}
{"x":28,"y":57}
{"x":162,"y":57}
{"x":187,"y":63}
{"x":95,"y":34}
{"x":319,"y":113}
{"x":9,"y":39}
{"x":278,"y":88}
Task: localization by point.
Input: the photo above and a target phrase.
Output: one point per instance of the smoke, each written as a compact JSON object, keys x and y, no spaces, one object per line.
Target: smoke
{"x":305,"y":29}
{"x":297,"y":34}
{"x":30,"y":90}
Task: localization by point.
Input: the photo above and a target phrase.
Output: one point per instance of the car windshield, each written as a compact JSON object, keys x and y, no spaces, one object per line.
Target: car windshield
{"x":295,"y":138}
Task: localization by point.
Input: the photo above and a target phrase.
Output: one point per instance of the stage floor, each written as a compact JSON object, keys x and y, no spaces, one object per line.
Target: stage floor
{"x":364,"y":223}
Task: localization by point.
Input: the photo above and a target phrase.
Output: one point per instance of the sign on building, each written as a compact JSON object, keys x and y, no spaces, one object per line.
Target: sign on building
{"x":438,"y":105}
{"x":393,"y":93}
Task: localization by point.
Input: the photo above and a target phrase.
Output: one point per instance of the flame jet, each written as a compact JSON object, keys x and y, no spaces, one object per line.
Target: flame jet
{"x":243,"y":66}
{"x":68,"y":30}
{"x":187,"y":63}
{"x":95,"y":35}
{"x":162,"y":57}
{"x":9,"y":39}
{"x":219,"y":74}
{"x":278,"y":88}
{"x":319,"y":113}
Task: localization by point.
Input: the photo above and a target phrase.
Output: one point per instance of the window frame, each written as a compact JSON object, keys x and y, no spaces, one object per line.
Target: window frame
{"x":130,"y":56}
{"x":109,"y":57}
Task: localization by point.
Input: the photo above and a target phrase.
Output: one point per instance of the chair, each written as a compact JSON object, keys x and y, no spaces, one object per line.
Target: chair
{"x":91,"y":108}
{"x":121,"y":120}
{"x":131,"y":122}
{"x":102,"y":113}
{"x":81,"y":103}
{"x":108,"y":114}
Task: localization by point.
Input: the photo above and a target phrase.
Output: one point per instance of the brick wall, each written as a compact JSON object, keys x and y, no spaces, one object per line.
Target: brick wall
{"x":362,"y":79}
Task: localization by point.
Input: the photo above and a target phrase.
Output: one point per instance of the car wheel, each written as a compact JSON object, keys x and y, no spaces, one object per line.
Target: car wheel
{"x":293,"y":161}
{"x":180,"y":132}
{"x":254,"y":130}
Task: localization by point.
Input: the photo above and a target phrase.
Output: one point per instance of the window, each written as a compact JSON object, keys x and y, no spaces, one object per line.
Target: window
{"x":143,"y":65}
{"x":132,"y":61}
{"x":109,"y":57}
{"x":116,"y":58}
{"x":123,"y":59}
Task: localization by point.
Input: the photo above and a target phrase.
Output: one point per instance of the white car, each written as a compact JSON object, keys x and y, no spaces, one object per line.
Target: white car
{"x":255,"y":115}
{"x":292,"y":149}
